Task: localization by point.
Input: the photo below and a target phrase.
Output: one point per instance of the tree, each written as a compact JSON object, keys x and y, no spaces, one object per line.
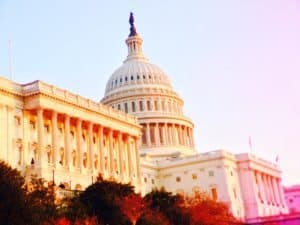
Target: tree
{"x":101,"y":200}
{"x":41,"y":201}
{"x":205,"y":211}
{"x":13,"y":209}
{"x":132,"y":206}
{"x":169,"y":205}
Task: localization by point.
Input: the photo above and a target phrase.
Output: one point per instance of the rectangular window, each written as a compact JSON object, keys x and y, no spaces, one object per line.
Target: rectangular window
{"x":148,"y":105}
{"x":178,"y":179}
{"x":17,"y":121}
{"x":126,"y":107}
{"x":141,"y":105}
{"x":211,"y":173}
{"x":46,"y":129}
{"x":194,"y":176}
{"x":234,"y":193}
{"x":144,"y":140}
{"x":133,"y":106}
{"x":32,"y":125}
{"x":214,"y":194}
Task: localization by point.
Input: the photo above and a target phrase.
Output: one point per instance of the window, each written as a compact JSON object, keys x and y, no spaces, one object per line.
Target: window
{"x":17,"y":121}
{"x":121,"y":80}
{"x":126,"y":107}
{"x":32,"y":124}
{"x":234,"y":193}
{"x":131,"y":77}
{"x":214,"y":193}
{"x":156,"y":105}
{"x":141,"y":106}
{"x":211,"y":173}
{"x":133,"y":106}
{"x":137,"y":77}
{"x":194,"y":176}
{"x":46,"y":129}
{"x":145,"y":179}
{"x":152,"y":181}
{"x":119,"y":107}
{"x":178,"y":179}
{"x":144,"y":139}
{"x":126,"y":79}
{"x":148,"y":105}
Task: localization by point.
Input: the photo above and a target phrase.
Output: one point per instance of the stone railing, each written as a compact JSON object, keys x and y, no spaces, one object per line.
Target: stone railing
{"x":47,"y":89}
{"x":10,"y":86}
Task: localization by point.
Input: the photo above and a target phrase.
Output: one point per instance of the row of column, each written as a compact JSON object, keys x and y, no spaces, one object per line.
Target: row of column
{"x":149,"y":105}
{"x":270,"y":189}
{"x":115,"y":152}
{"x":159,"y":134}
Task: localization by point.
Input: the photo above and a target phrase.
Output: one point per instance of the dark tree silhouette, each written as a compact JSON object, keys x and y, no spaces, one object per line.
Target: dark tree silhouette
{"x":169,"y":205}
{"x":13,"y":208}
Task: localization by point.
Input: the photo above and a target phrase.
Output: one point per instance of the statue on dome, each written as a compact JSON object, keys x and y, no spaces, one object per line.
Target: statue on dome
{"x":132,"y":27}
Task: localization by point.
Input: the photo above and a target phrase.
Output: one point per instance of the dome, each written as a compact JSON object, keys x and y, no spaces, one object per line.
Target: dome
{"x":136,"y":71}
{"x":142,"y":89}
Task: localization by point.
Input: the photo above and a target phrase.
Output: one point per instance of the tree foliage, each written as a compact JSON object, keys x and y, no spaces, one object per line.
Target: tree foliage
{"x":169,"y":205}
{"x":101,"y":200}
{"x":13,"y":208}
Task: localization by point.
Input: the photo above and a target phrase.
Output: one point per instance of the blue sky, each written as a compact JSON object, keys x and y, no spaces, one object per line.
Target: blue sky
{"x":235,"y":63}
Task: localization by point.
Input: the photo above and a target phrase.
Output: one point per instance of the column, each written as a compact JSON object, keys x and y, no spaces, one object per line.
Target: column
{"x":91,"y":153}
{"x":119,"y":153}
{"x":67,"y":141}
{"x":170,"y":137}
{"x":10,"y":126}
{"x":101,"y":149}
{"x":175,"y":134}
{"x":40,"y":134}
{"x":129,"y":160}
{"x":261,"y":186}
{"x":192,"y":138}
{"x":148,"y":134}
{"x":281,"y":194}
{"x":270,"y":189}
{"x":165,"y":141}
{"x":157,"y":139}
{"x":266,"y":190}
{"x":185,"y":142}
{"x":137,"y":158}
{"x":111,"y":155}
{"x":26,"y":131}
{"x":276,"y":194}
{"x":54,"y":137}
{"x":79,"y":143}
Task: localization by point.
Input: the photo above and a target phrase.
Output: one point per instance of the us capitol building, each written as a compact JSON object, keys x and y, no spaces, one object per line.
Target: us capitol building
{"x":137,"y":133}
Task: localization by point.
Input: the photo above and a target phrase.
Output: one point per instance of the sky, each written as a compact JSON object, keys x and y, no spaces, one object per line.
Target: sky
{"x":235,"y":63}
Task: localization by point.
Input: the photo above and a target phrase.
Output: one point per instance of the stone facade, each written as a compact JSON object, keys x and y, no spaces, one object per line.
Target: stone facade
{"x":58,"y":135}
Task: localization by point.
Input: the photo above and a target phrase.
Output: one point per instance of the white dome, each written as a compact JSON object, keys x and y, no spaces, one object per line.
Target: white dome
{"x":136,"y":71}
{"x":141,"y":88}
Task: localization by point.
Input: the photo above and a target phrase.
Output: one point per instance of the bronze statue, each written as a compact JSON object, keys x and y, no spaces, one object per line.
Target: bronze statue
{"x":132,"y":27}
